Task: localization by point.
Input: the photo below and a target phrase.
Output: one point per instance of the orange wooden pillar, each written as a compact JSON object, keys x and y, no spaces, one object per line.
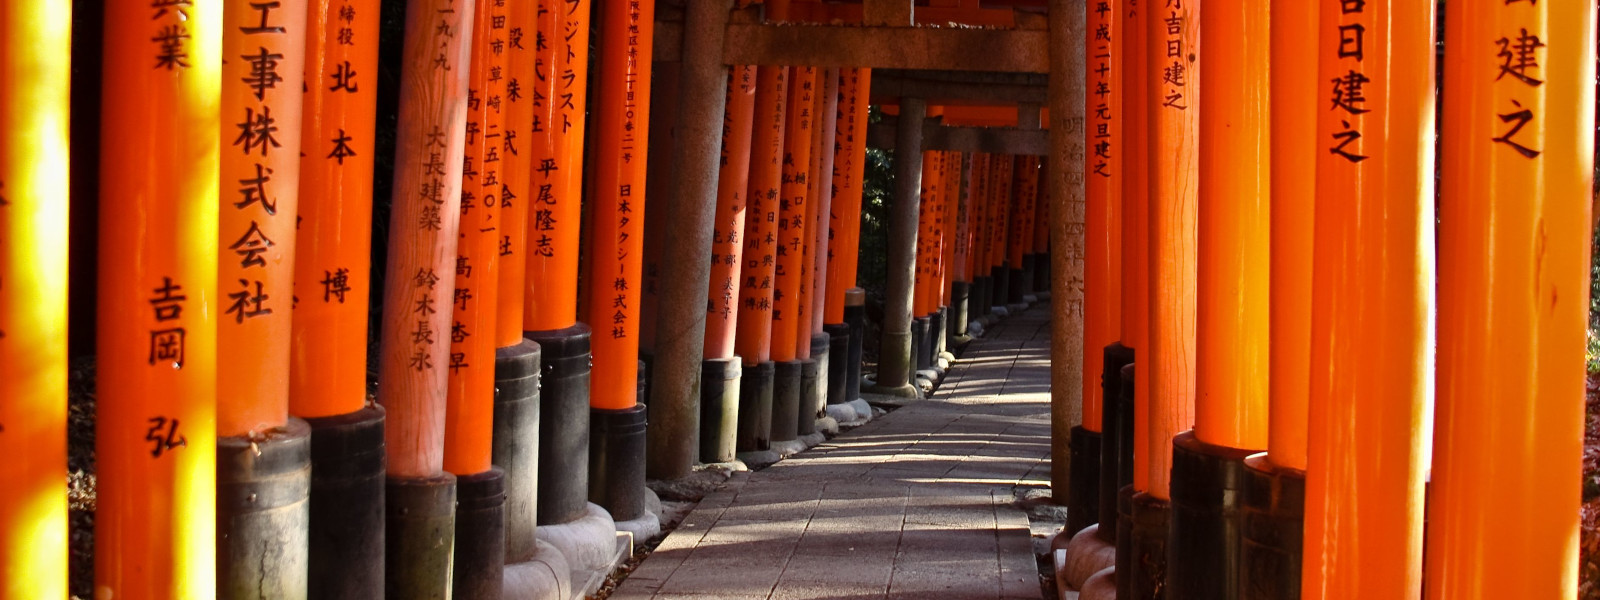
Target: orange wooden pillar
{"x":789,"y":251}
{"x":825,"y":376}
{"x":1004,"y":210}
{"x":1518,"y":173}
{"x":35,"y":68}
{"x":978,"y":235}
{"x":1371,"y":332}
{"x":1230,"y":343}
{"x":155,"y":440}
{"x":550,"y":299}
{"x":721,"y":371}
{"x":419,"y":288}
{"x":844,"y":230}
{"x":332,"y":271}
{"x":961,"y":290}
{"x":1274,"y":483}
{"x":1172,"y":105}
{"x":1135,"y":271}
{"x":923,"y":302}
{"x":622,"y":114}
{"x":753,"y":340}
{"x":1019,"y":243}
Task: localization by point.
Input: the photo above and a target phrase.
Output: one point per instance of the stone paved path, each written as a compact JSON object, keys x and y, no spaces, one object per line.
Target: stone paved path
{"x":916,"y":504}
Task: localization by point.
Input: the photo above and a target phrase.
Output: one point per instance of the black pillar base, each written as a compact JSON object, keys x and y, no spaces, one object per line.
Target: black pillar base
{"x":480,"y":535}
{"x":719,"y":408}
{"x":981,"y":291}
{"x":1017,"y":285}
{"x":856,"y":316}
{"x":1083,"y":498}
{"x":755,"y":407}
{"x":1000,"y":281}
{"x":814,"y":384}
{"x":1207,"y":481}
{"x":1125,"y":434}
{"x":1025,"y":283}
{"x":838,"y":362}
{"x":419,"y":537}
{"x":938,"y":329}
{"x":1125,"y":541}
{"x":786,"y":400}
{"x":919,"y":343}
{"x":616,"y":461}
{"x":347,"y":499}
{"x":1150,"y":526}
{"x":516,"y":444}
{"x":960,"y":297}
{"x":1116,"y":357}
{"x":263,"y":513}
{"x":1041,"y":272}
{"x":1272,"y":518}
{"x":563,"y":424}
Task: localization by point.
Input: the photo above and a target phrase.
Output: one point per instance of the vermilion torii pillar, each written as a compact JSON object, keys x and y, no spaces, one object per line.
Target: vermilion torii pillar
{"x":1230,"y":401}
{"x":721,"y":373}
{"x":1004,"y":170}
{"x":1371,"y":344}
{"x":1134,"y":421}
{"x":36,"y":72}
{"x":961,"y":247}
{"x":469,"y":403}
{"x":895,"y":360}
{"x":844,"y":219}
{"x":753,"y":341}
{"x":622,"y":116}
{"x":419,"y":284}
{"x":1274,"y":486}
{"x":981,"y":201}
{"x":789,"y":250}
{"x":1513,"y":280}
{"x":156,"y":339}
{"x":332,"y":271}
{"x":263,"y":457}
{"x":1019,"y":241}
{"x":824,"y":349}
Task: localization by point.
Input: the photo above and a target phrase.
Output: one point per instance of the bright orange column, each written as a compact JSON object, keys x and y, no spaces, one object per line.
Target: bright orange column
{"x":419,"y":281}
{"x":526,"y":96}
{"x":35,"y":71}
{"x":808,"y":236}
{"x":555,"y":211}
{"x":333,"y":249}
{"x":1371,"y":346}
{"x":822,"y":191}
{"x":1025,"y":180}
{"x":1230,"y":401}
{"x":753,"y":342}
{"x":961,"y":245}
{"x":1136,"y":231}
{"x":1295,"y":90}
{"x":469,"y":413}
{"x":791,"y":224}
{"x":1514,"y":258}
{"x":924,"y":302}
{"x":263,"y":52}
{"x":1103,"y":172}
{"x":1005,"y":200}
{"x":1173,"y":47}
{"x":622,"y":113}
{"x":156,"y":379}
{"x":728,"y":225}
{"x":844,"y":215}
{"x":947,"y":234}
{"x":978,"y":228}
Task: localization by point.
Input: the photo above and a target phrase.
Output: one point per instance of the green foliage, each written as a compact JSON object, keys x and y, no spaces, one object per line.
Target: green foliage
{"x":877,"y":188}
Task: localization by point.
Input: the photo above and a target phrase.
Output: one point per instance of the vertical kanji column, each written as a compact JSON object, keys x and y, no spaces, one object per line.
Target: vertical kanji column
{"x":1518,"y":171}
{"x":333,"y":276}
{"x":263,"y":457}
{"x":922,"y":323}
{"x":35,"y":39}
{"x":1133,"y":415}
{"x":844,"y":218}
{"x":982,"y":201}
{"x":721,"y":373}
{"x":816,"y":378}
{"x":622,"y":114}
{"x":789,"y":251}
{"x":528,"y":52}
{"x":895,"y":361}
{"x":155,"y":409}
{"x":1371,"y":333}
{"x":550,"y":302}
{"x":419,"y":291}
{"x":1172,"y":62}
{"x":1064,"y":172}
{"x":1273,"y":499}
{"x":469,"y":404}
{"x":753,"y":340}
{"x":1230,"y":398}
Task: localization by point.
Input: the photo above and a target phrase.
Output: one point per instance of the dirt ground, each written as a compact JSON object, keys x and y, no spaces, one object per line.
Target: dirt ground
{"x":1589,"y":548}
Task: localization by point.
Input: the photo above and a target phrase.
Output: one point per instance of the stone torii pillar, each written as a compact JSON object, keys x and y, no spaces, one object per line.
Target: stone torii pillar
{"x":894,"y":361}
{"x":1065,"y":169}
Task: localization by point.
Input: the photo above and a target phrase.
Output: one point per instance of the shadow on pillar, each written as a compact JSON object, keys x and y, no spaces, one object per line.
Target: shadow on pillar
{"x":1113,"y":427}
{"x":855,"y":316}
{"x":1272,"y":518}
{"x":616,"y":456}
{"x":1022,"y":279}
{"x":920,"y":344}
{"x":755,"y":408}
{"x":1041,"y":273}
{"x":786,"y":386}
{"x":347,"y":500}
{"x":1207,"y":482}
{"x":1000,"y":280}
{"x":480,"y":544}
{"x":938,"y":332}
{"x":719,"y":408}
{"x":516,"y":444}
{"x":1150,"y":527}
{"x":981,"y":290}
{"x":1083,"y":497}
{"x":814,"y":382}
{"x":960,"y":295}
{"x":263,"y":513}
{"x":419,"y":540}
{"x":838,"y":363}
{"x":563,"y":487}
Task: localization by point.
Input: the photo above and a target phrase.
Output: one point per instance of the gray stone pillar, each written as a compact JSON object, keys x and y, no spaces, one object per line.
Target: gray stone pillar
{"x":894,"y":359}
{"x":673,"y":434}
{"x":1066,"y":233}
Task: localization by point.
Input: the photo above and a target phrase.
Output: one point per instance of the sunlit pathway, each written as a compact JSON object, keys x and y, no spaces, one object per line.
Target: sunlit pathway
{"x":916,"y":504}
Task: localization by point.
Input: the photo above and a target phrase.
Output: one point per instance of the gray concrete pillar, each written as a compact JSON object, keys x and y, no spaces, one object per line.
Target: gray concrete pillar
{"x":673,"y":434}
{"x":1066,"y":98}
{"x":894,"y":360}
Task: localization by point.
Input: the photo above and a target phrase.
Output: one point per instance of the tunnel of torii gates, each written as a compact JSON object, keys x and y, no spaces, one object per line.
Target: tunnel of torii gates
{"x":1276,"y":349}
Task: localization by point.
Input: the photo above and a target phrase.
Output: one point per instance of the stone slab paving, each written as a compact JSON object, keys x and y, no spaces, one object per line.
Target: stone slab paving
{"x":915,"y":504}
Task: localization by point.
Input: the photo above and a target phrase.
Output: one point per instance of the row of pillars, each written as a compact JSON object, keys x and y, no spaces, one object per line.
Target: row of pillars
{"x":1297,"y":352}
{"x":239,"y":452}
